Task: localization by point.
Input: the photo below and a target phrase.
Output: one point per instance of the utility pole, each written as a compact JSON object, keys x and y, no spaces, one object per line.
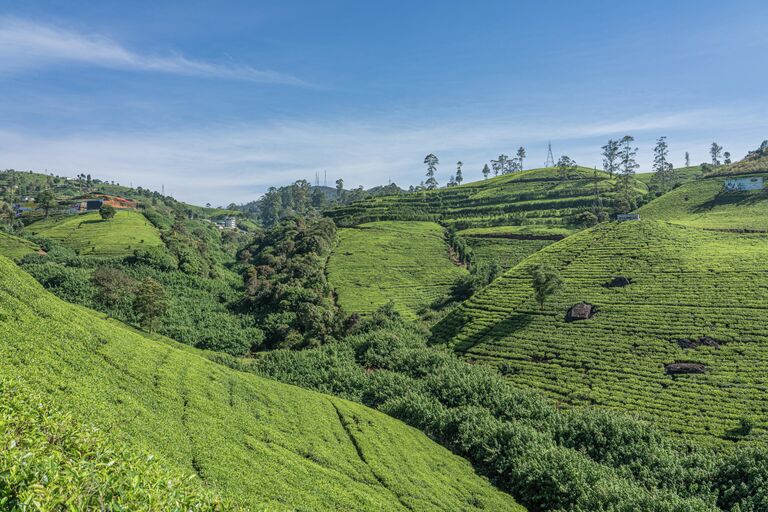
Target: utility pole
{"x":550,"y":158}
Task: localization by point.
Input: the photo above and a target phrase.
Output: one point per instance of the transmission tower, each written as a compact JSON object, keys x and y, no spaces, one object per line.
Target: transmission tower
{"x":550,"y":158}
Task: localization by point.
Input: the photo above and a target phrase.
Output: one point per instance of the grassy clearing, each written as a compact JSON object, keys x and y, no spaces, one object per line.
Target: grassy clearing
{"x":257,"y":442}
{"x":686,"y":284}
{"x":14,"y":247}
{"x":90,"y":235}
{"x":704,"y":204}
{"x":406,"y":262}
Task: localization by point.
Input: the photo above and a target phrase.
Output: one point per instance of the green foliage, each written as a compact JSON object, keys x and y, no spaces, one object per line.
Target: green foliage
{"x":150,"y":303}
{"x":258,"y":443}
{"x":406,"y":262}
{"x":705,"y":204}
{"x":15,"y":247}
{"x":107,"y":212}
{"x":545,"y":282}
{"x":89,"y":235}
{"x":51,"y":462}
{"x":535,"y":198}
{"x":285,"y":283}
{"x":550,"y":458}
{"x":686,"y":285}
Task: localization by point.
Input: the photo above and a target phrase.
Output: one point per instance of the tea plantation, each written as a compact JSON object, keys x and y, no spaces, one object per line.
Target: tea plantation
{"x":535,"y":198}
{"x":89,"y":235}
{"x":509,"y":245}
{"x":265,"y":445}
{"x":706,"y":204}
{"x":695,"y":296}
{"x":405,"y":262}
{"x":14,"y":247}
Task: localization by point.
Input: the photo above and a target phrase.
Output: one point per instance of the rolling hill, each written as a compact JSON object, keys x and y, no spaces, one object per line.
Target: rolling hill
{"x":695,"y":296}
{"x":265,"y":445}
{"x":503,"y":219}
{"x":14,"y":247}
{"x":89,"y":235}
{"x":705,"y":204}
{"x":405,"y":262}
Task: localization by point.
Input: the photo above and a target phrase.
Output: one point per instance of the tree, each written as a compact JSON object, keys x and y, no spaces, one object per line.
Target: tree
{"x":715,"y":150}
{"x":611,"y":157}
{"x":486,"y":171}
{"x":565,"y":166}
{"x":107,"y":212}
{"x":46,"y":200}
{"x":431,"y":162}
{"x":500,"y":164}
{"x":520,"y":157}
{"x":545,"y":281}
{"x":687,"y":159}
{"x":150,"y":303}
{"x":662,"y":167}
{"x":625,"y":191}
{"x":726,"y":158}
{"x":451,"y":182}
{"x":339,"y":189}
{"x":113,"y":286}
{"x":459,"y":177}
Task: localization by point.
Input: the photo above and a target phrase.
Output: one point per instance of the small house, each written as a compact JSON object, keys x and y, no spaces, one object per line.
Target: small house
{"x":230,"y":223}
{"x":622,"y":217}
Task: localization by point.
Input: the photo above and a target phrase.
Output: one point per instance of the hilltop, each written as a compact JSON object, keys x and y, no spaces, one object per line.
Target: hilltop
{"x":706,"y":203}
{"x":88,"y":234}
{"x":693,"y":296}
{"x":254,"y":441}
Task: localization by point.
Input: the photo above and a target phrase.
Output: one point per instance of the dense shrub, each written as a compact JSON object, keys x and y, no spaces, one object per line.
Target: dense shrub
{"x":548,"y":458}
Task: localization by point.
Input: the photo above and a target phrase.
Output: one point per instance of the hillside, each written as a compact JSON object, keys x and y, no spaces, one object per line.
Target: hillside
{"x":695,"y":296}
{"x":89,"y":235}
{"x":405,"y":262}
{"x":504,"y":219}
{"x":705,"y":204}
{"x":14,"y":247}
{"x":263,"y":444}
{"x":538,"y":197}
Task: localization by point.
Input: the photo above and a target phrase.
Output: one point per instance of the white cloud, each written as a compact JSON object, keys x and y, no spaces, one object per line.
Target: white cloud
{"x":237,"y":163}
{"x":25,"y":45}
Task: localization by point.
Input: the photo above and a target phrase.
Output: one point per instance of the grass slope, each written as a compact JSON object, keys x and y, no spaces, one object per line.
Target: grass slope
{"x":535,"y":198}
{"x":90,"y":235}
{"x":686,"y":284}
{"x":406,"y":262}
{"x":704,"y":204}
{"x":52,"y":462}
{"x":264,"y":444}
{"x":14,"y":247}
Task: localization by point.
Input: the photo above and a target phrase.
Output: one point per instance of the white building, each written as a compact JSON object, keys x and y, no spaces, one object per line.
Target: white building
{"x":738,"y":184}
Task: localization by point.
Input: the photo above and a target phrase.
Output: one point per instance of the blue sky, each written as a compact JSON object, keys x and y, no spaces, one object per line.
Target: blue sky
{"x":218,"y":101}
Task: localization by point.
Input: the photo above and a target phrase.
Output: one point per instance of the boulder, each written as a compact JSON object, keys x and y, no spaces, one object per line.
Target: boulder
{"x":705,"y":341}
{"x":684,"y":368}
{"x":618,"y":282}
{"x":580,"y":311}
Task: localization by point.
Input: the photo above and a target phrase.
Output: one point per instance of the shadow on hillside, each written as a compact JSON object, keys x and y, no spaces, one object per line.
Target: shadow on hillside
{"x":496,"y":331}
{"x":744,"y":198}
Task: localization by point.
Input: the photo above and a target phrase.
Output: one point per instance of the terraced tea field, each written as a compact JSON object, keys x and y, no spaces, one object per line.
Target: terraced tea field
{"x":688,"y":287}
{"x":90,"y":235}
{"x":509,"y":245}
{"x":705,"y":204}
{"x":534,"y":198}
{"x":406,"y":262}
{"x":14,"y":247}
{"x":265,"y":445}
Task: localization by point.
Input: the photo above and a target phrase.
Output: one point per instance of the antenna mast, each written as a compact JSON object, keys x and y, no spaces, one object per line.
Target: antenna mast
{"x":550,"y":159}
